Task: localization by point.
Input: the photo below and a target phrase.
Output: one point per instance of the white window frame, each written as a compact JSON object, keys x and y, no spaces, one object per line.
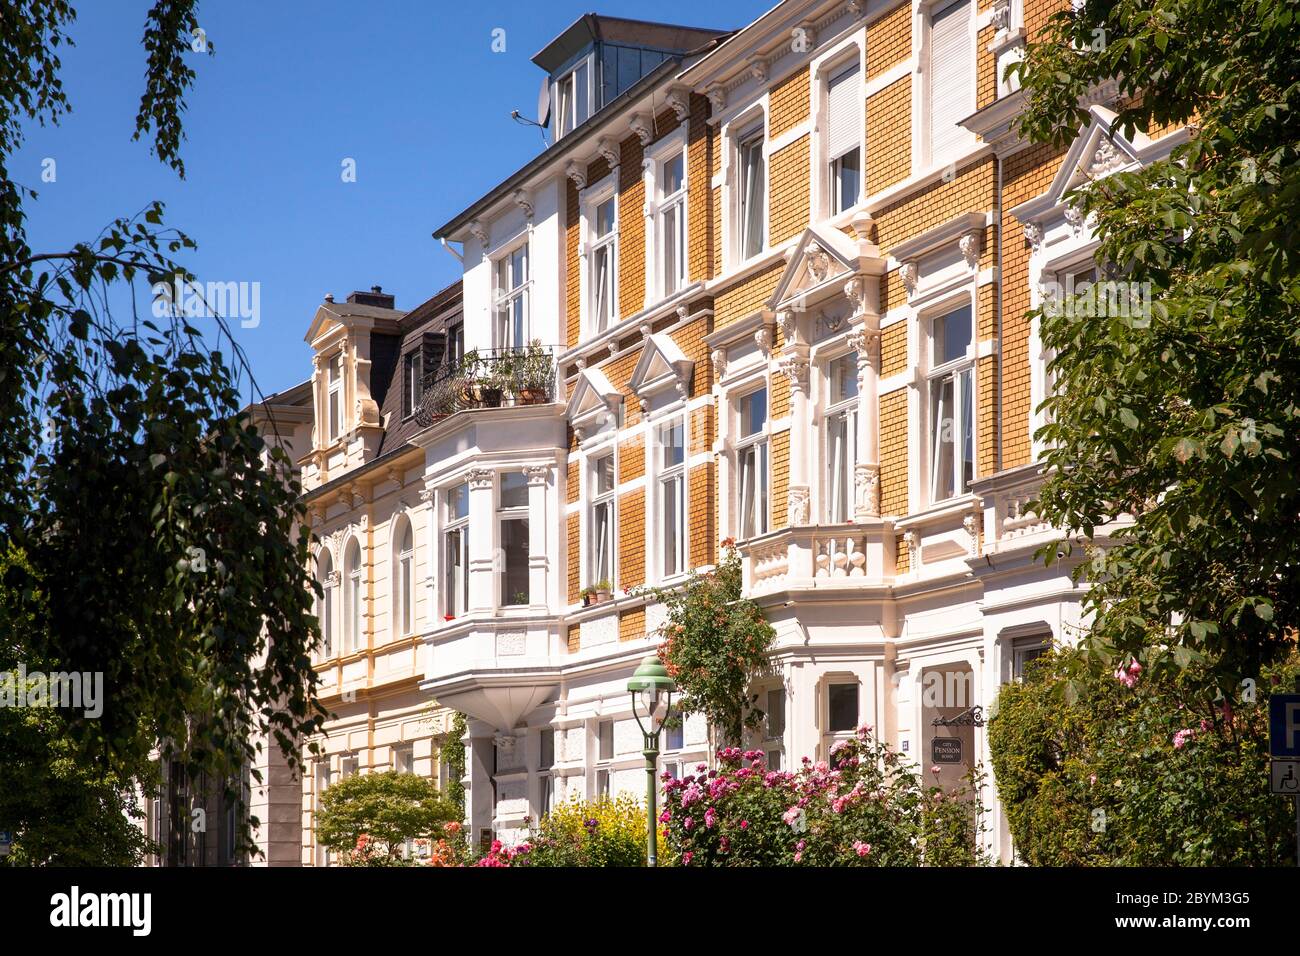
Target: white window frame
{"x":741,"y":132}
{"x":506,"y":514}
{"x":591,"y":200}
{"x":545,"y":772}
{"x":404,"y":754}
{"x":967,"y":364}
{"x":504,"y":299}
{"x":670,"y":480}
{"x":353,"y":597}
{"x":602,"y":499}
{"x":660,"y":204}
{"x":757,"y":444}
{"x":925,"y":66}
{"x":455,"y":599}
{"x":846,"y":410}
{"x":829,"y":735}
{"x":562,"y":125}
{"x":604,"y":764}
{"x":404,"y":579}
{"x":1041,"y":381}
{"x":335,"y":423}
{"x":832,"y":160}
{"x":326,"y":613}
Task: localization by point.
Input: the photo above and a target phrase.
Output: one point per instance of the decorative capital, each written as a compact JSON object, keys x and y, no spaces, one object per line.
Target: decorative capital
{"x":787,"y":320}
{"x":719,"y":359}
{"x":641,"y":126}
{"x":970,"y":244}
{"x":480,"y":478}
{"x":717,"y":97}
{"x":1034,"y":234}
{"x":758,"y":69}
{"x":763,"y":338}
{"x":679,"y":101}
{"x":908,"y":273}
{"x":795,"y":368}
{"x":537,"y":474}
{"x":972,"y":524}
{"x":862,"y":340}
{"x":577,"y":174}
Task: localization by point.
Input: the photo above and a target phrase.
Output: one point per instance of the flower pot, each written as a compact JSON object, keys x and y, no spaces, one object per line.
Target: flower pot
{"x":587,"y":600}
{"x":491,"y":397}
{"x":602,"y":596}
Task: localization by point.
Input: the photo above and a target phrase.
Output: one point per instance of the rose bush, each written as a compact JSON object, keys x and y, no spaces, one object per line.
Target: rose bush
{"x":863,"y":807}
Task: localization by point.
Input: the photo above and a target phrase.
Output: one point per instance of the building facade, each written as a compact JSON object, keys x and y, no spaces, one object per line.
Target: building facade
{"x":767,"y":286}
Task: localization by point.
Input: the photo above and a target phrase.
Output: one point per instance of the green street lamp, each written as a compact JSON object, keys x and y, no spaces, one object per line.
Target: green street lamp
{"x":652,"y":691}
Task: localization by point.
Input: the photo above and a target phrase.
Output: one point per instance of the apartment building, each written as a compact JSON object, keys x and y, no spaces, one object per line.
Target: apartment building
{"x":766,"y":285}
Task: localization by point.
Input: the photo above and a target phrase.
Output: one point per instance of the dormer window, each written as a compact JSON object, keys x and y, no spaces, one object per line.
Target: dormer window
{"x":573,"y":97}
{"x":412,"y":381}
{"x":335,"y":396}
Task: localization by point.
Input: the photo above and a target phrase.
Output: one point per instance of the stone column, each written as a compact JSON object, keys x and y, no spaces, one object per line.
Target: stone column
{"x":866,"y":472}
{"x":794,"y":365}
{"x":539,"y":594}
{"x":484,"y":556}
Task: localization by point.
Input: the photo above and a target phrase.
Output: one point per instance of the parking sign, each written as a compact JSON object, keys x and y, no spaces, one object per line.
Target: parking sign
{"x":1284,"y":725}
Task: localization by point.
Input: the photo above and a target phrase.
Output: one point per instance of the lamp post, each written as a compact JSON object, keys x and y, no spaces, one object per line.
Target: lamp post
{"x":652,"y":691}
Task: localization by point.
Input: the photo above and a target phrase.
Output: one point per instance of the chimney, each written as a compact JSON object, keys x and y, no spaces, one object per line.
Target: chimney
{"x":376,"y":296}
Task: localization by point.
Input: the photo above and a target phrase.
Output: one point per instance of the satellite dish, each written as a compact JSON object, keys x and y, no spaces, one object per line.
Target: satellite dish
{"x":544,"y":102}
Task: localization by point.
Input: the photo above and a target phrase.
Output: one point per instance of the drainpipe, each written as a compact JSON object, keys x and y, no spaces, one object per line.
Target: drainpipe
{"x":459,"y":256}
{"x":997,"y":318}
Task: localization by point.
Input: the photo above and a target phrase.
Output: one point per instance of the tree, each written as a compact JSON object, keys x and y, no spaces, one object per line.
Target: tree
{"x":159,"y":529}
{"x":370,"y":817}
{"x":1138,"y":768}
{"x":715,"y":644}
{"x":1183,"y":418}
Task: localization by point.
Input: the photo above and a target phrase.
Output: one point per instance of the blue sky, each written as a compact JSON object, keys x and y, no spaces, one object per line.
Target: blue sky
{"x":411,"y":91}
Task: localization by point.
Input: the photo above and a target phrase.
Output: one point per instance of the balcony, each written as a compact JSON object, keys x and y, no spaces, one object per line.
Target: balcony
{"x":491,"y":378}
{"x":833,"y":556}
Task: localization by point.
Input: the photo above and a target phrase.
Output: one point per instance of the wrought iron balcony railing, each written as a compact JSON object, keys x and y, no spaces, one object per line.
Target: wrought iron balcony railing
{"x":489,"y":378}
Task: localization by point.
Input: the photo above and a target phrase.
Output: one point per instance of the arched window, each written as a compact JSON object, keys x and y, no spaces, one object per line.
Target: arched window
{"x":325,"y":603}
{"x":352,"y":597}
{"x":404,"y":601}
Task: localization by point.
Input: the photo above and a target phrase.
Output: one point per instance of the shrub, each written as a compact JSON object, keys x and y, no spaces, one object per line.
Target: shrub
{"x":368,"y":818}
{"x":604,"y":832}
{"x":1140,"y":767}
{"x":865,"y":807}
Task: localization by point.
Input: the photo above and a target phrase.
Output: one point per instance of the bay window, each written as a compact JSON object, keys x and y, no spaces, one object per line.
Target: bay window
{"x":844,"y":110}
{"x":455,"y":549}
{"x":512,"y":298}
{"x":841,"y":420}
{"x":751,"y":463}
{"x":601,"y":524}
{"x":672,"y":497}
{"x":951,"y":394}
{"x":671,"y":226}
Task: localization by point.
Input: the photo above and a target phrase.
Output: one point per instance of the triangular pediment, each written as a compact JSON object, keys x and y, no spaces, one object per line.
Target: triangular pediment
{"x":322,"y":323}
{"x":594,"y":402}
{"x":819,"y":257}
{"x":662,"y":365}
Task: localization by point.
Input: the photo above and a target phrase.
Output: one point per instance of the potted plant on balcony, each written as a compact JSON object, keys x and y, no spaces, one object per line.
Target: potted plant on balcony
{"x":468,"y":378}
{"x":602,"y":591}
{"x":533,"y":370}
{"x":588,"y":596}
{"x":498,"y":380}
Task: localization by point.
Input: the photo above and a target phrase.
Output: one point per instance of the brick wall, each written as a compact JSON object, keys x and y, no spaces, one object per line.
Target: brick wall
{"x":889,"y":135}
{"x":780,"y":455}
{"x":889,"y":40}
{"x":788,"y":103}
{"x":790,"y":178}
{"x":631,"y":539}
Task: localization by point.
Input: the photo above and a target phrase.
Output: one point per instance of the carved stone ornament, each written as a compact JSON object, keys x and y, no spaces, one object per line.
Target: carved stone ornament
{"x":719,"y":359}
{"x":819,"y":262}
{"x":910,"y":543}
{"x":479,"y":231}
{"x":758,"y":69}
{"x":1034,"y":234}
{"x":907,"y":272}
{"x":855,"y":291}
{"x":537,"y":474}
{"x":970,"y":248}
{"x":577,"y":174}
{"x":1074,"y":218}
{"x":717,"y":98}
{"x":795,"y":368}
{"x":524,"y":202}
{"x":866,"y":479}
{"x":763,"y":338}
{"x":863,"y":340}
{"x":679,"y":101}
{"x":787,"y":320}
{"x":333,"y":578}
{"x":641,"y":127}
{"x":798,"y":503}
{"x":480,"y":478}
{"x":426,"y":494}
{"x":609,"y":152}
{"x":1106,"y":159}
{"x":971,"y":524}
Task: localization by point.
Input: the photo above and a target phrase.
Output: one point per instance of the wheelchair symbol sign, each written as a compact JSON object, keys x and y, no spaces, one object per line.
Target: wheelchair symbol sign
{"x":1286,"y":777}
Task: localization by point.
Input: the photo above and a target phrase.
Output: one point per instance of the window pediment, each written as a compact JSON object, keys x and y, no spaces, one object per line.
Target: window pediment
{"x":821,"y":260}
{"x":594,"y":403}
{"x":662,"y":365}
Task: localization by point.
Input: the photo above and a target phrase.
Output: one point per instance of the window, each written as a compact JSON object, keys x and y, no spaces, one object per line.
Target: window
{"x":844,"y":112}
{"x":349,"y":765}
{"x":602,"y":783}
{"x":404,"y":759}
{"x":572,"y":99}
{"x":842,"y":707}
{"x":775,"y":713}
{"x":405,"y":604}
{"x":352,"y":598}
{"x":325,"y":603}
{"x":322,"y":784}
{"x":1026,"y":649}
{"x":749,"y":150}
{"x":335,"y":397}
{"x":545,"y":761}
{"x":412,"y":382}
{"x":671,"y":226}
{"x":455,"y":343}
{"x":512,"y":510}
{"x":602,"y":265}
{"x":675,"y":735}
{"x":751,"y":462}
{"x":601,"y":527}
{"x":455,"y":550}
{"x":952,"y":405}
{"x":605,"y":739}
{"x":952,"y":79}
{"x":672,"y":497}
{"x":841,"y":436}
{"x":512,"y":299}
{"x":773,"y":760}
